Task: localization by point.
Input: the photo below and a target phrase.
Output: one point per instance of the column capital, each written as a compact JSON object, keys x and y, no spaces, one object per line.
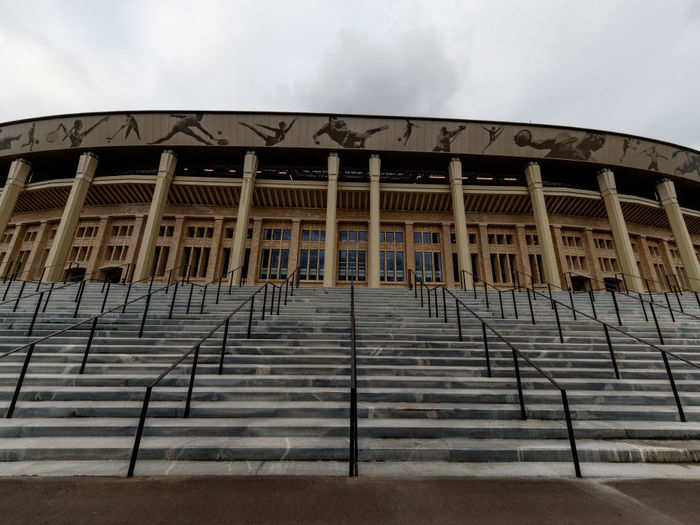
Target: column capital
{"x":333,"y":165}
{"x":606,"y":182}
{"x":19,"y":171}
{"x":375,"y":166}
{"x":455,"y":171}
{"x":250,"y":164}
{"x":87,"y":164}
{"x":667,"y":192}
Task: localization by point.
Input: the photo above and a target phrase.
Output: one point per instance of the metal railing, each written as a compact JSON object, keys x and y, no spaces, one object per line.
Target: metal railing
{"x":517,"y":356}
{"x":194,"y":352}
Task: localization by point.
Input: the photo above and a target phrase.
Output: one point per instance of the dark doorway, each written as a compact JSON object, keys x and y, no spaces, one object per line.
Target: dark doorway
{"x":113,"y":274}
{"x":75,"y":274}
{"x":580,"y":283}
{"x":612,"y":284}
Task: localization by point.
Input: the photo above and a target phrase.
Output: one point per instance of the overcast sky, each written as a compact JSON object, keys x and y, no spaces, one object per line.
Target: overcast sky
{"x":628,"y":66}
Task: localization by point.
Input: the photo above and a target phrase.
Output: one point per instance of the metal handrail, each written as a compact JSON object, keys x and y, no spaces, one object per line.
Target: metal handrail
{"x":353,"y":441}
{"x":31,"y":345}
{"x":193,"y":350}
{"x":517,"y":354}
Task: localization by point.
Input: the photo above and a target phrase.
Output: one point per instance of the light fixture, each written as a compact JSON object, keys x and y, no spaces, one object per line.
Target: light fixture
{"x":484,"y":178}
{"x":208,"y":170}
{"x":185,"y":169}
{"x":436,"y":177}
{"x":232,"y":171}
{"x":510,"y":179}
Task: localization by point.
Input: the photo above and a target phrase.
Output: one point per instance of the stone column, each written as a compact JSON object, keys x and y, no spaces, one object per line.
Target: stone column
{"x":140,"y":223}
{"x":448,"y":270}
{"x":250,"y":167}
{"x":166,"y":171}
{"x":559,"y":252}
{"x":330,"y":248}
{"x":669,"y":200}
{"x":463,"y":258}
{"x":410,"y":256}
{"x":671,"y":275}
{"x":9,"y":265}
{"x":33,"y":270}
{"x":96,"y":257}
{"x":486,"y":270}
{"x":175,"y":255}
{"x":294,"y":247}
{"x":550,"y":271}
{"x":523,"y":256}
{"x":623,"y":245}
{"x":63,"y":241}
{"x":374,"y":222}
{"x":645,"y":262}
{"x":592,"y":255}
{"x":214,"y":270}
{"x":16,"y":178}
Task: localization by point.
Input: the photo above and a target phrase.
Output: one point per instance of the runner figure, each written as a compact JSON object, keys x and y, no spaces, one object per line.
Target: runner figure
{"x":30,"y":137}
{"x":445,"y":138}
{"x":339,"y":132}
{"x":76,"y":134}
{"x":279,"y":133}
{"x":494,"y":132}
{"x":408,"y":131}
{"x":6,"y":142}
{"x":131,"y":125}
{"x":183,"y":125}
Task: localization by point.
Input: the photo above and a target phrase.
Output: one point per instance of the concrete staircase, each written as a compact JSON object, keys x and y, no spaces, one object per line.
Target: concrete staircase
{"x":426,"y":404}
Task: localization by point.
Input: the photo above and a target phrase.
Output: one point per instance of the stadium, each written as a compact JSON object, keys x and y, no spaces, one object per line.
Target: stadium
{"x":343,"y":197}
{"x":222,"y":293}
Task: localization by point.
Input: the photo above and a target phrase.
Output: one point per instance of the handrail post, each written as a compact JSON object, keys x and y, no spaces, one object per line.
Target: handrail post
{"x":571,"y":298}
{"x":549,"y":289}
{"x":279,"y":300}
{"x":486,"y":293}
{"x":473,"y":284}
{"x":170,"y":278}
{"x":590,"y":296}
{"x":145,"y":311}
{"x":610,"y":349}
{"x":272,"y":302}
{"x":20,"y":380}
{"x":104,"y":283}
{"x":617,"y":308}
{"x":459,"y":320}
{"x":172,"y":302}
{"x":7,"y":289}
{"x":190,"y":386}
{"x":89,"y":344}
{"x":677,"y":398}
{"x":529,"y":303}
{"x":250,"y":317}
{"x":430,"y":307}
{"x":41,"y":278}
{"x":500,"y":302}
{"x":556,"y":315}
{"x":262,"y":317}
{"x":19,"y":296}
{"x":644,"y":310}
{"x":204,"y":298}
{"x":66,"y":272}
{"x":77,"y":292}
{"x":486,"y":349}
{"x":444,"y":304}
{"x":421,"y":292}
{"x":189,"y":298}
{"x":670,"y":310}
{"x":678,"y":299}
{"x":515,"y":305}
{"x":218,"y":289}
{"x":139,"y":432}
{"x":656,"y":322}
{"x":48,"y":297}
{"x":651,"y":297}
{"x":223,"y":346}
{"x":77,"y":306}
{"x":128,"y":293}
{"x":570,"y":431}
{"x":516,"y":369}
{"x":104,"y":301}
{"x":36,"y":311}
{"x":286,"y":289}
{"x":437,"y":309}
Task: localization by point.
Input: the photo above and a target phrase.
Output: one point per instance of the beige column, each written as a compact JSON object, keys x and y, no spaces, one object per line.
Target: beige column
{"x":96,"y":257}
{"x":486,"y":270}
{"x":645,"y":262}
{"x":559,"y":252}
{"x":671,"y":275}
{"x":523,"y":256}
{"x":592,"y":255}
{"x":330,"y":248}
{"x":550,"y":271}
{"x":669,"y":200}
{"x":33,"y":270}
{"x":175,"y":255}
{"x":448,"y":276}
{"x":410,"y":257}
{"x":623,"y":245}
{"x":294,"y":247}
{"x":136,"y":241}
{"x":63,"y":241}
{"x":16,"y":178}
{"x":166,"y":171}
{"x":374,"y":222}
{"x":214,"y":270}
{"x":250,"y":167}
{"x":463,"y":258}
{"x":255,"y":245}
{"x":9,"y":265}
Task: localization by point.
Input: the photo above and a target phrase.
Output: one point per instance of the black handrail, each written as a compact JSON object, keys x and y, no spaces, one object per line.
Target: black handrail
{"x":31,"y":345}
{"x":353,"y":445}
{"x":517,"y":354}
{"x":193,"y":350}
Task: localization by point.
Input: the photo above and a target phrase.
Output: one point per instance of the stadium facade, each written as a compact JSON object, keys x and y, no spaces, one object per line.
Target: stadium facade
{"x":369,"y":198}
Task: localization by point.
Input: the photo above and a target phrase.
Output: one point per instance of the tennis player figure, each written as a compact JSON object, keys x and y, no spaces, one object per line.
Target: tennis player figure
{"x":278,"y":134}
{"x":131,"y":125}
{"x":76,"y":133}
{"x":407,"y":132}
{"x":494,"y":132}
{"x":184,"y":125}
{"x":445,"y":138}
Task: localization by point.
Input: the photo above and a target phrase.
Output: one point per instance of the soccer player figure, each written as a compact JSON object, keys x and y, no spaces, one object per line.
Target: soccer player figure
{"x":339,"y":132}
{"x":494,"y":132}
{"x":76,"y":133}
{"x":445,"y":138}
{"x":30,"y":137}
{"x":183,"y":125}
{"x":654,"y":157}
{"x":131,"y":125}
{"x":278,"y":134}
{"x":6,"y":142}
{"x":408,"y":131}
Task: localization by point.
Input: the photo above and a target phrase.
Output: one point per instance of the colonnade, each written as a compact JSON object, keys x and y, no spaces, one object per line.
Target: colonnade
{"x":56,"y":260}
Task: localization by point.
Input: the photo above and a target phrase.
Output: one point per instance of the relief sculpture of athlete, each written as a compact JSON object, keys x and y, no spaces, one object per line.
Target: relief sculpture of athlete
{"x":184,"y":125}
{"x":278,"y":134}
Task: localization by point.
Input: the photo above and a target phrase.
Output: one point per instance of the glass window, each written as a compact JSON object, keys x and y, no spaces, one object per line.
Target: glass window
{"x":455,"y":268}
{"x":303,"y":261}
{"x":352,"y":270}
{"x":277,"y":235}
{"x":428,"y":262}
{"x":352,"y":236}
{"x":343,"y":236}
{"x":267,"y":234}
{"x":381,"y":266}
{"x":419,"y":265}
{"x":305,"y":235}
{"x":416,"y":238}
{"x":286,"y":235}
{"x":362,"y":236}
{"x":314,"y":235}
{"x":200,"y":231}
{"x":323,"y":235}
{"x":381,"y":236}
{"x":313,"y":264}
{"x":389,"y":236}
{"x":250,"y":233}
{"x":399,"y":266}
{"x":321,"y":262}
{"x":342,"y":264}
{"x":426,"y":237}
{"x":390,"y":266}
{"x":399,"y":236}
{"x":264,"y":261}
{"x":274,"y":261}
{"x":361,"y":265}
{"x":284,"y":262}
{"x":436,"y":238}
